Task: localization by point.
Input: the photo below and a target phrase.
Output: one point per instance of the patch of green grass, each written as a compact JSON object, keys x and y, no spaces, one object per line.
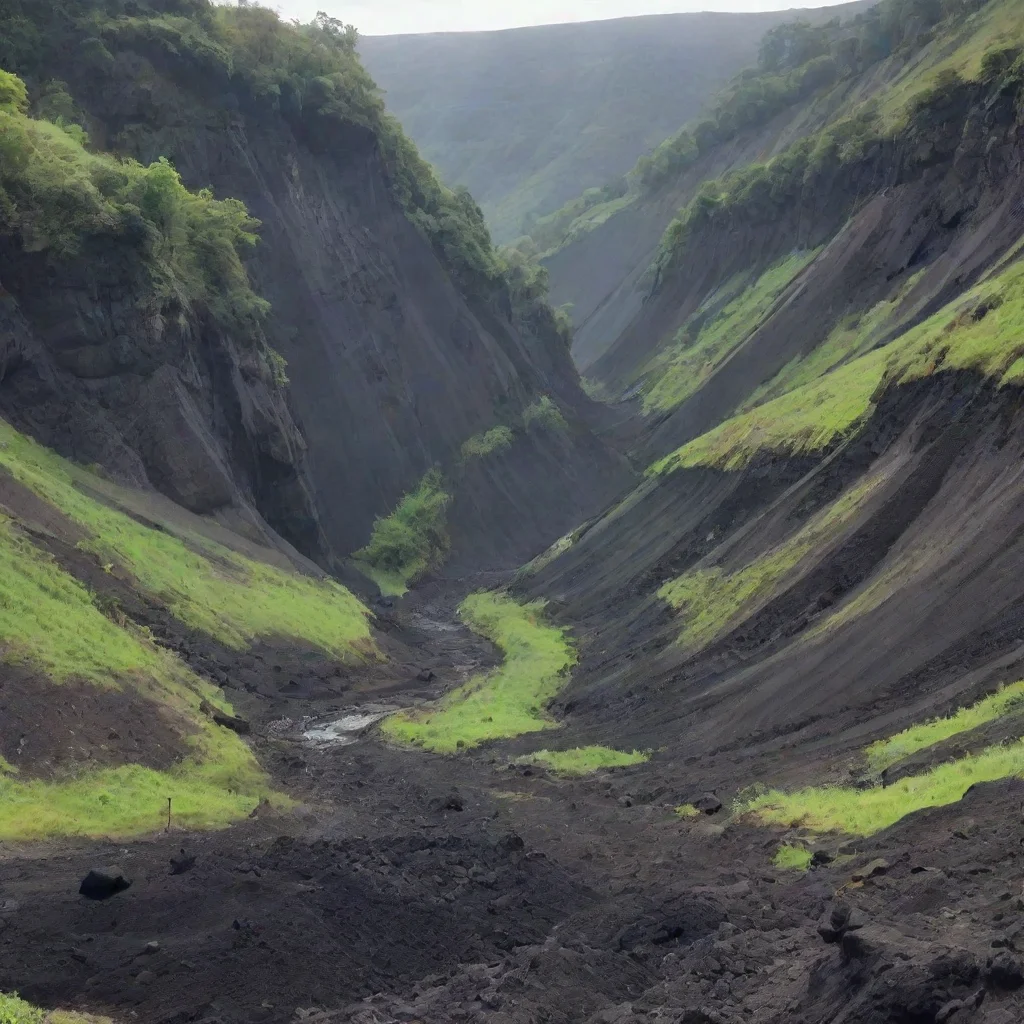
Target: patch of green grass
{"x":687,"y":811}
{"x":889,"y":751}
{"x":494,"y":440}
{"x":508,"y":701}
{"x":703,"y":342}
{"x":14,"y":1010}
{"x":854,"y":336}
{"x":206,"y":792}
{"x":792,"y":858}
{"x":545,"y":414}
{"x":205,"y":585}
{"x":866,"y":811}
{"x":802,"y":422}
{"x":49,"y":621}
{"x":713,"y":599}
{"x":414,"y":538}
{"x":585,"y":760}
{"x":982,"y":331}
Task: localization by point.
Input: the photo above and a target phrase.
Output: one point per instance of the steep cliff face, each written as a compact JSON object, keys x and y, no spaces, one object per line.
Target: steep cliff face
{"x":395,"y":354}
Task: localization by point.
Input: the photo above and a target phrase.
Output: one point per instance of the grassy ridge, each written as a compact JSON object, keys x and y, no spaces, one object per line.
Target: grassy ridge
{"x":704,"y":342}
{"x":890,"y":751}
{"x":205,"y":585}
{"x":866,"y":811}
{"x":982,"y":331}
{"x":711,"y":600}
{"x":508,"y":701}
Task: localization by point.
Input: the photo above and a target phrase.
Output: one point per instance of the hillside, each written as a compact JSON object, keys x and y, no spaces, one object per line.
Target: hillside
{"x":743,"y":743}
{"x":349,"y":271}
{"x":527,"y":118}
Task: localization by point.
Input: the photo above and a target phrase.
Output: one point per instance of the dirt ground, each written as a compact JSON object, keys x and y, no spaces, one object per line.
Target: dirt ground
{"x":412,"y":887}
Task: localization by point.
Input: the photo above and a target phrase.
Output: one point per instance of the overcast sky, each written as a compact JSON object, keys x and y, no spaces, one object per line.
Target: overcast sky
{"x":386,"y":17}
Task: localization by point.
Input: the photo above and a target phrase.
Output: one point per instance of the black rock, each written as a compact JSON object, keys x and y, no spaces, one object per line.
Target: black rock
{"x":708,"y":803}
{"x":452,"y":802}
{"x":821,"y":857}
{"x":1004,"y":971}
{"x":182,"y":863}
{"x":425,"y":676}
{"x":97,"y":885}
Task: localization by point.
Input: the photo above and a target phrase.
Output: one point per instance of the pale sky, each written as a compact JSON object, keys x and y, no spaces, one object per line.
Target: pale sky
{"x":387,"y":17}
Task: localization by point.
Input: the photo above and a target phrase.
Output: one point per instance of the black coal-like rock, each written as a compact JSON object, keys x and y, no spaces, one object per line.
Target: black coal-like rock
{"x":98,"y":885}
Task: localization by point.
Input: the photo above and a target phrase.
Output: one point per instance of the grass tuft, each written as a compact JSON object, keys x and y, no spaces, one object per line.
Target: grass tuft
{"x":688,"y":811}
{"x":508,"y":701}
{"x":792,"y":858}
{"x":545,"y":414}
{"x":584,"y":760}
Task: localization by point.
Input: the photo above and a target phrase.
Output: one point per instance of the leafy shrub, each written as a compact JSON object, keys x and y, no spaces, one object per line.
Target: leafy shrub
{"x":414,"y":537}
{"x":545,"y":414}
{"x":57,"y":198}
{"x":493,"y":440}
{"x":16,"y":1011}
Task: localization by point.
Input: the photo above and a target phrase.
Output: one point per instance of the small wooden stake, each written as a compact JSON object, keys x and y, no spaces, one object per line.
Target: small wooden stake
{"x":168,"y":814}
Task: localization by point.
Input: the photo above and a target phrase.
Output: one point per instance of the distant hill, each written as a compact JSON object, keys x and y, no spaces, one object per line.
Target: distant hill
{"x":528,"y":118}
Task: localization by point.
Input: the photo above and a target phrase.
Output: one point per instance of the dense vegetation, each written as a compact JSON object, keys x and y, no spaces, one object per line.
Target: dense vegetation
{"x":797,"y":61}
{"x":893,"y":134}
{"x":310,"y":74}
{"x":59,"y":199}
{"x":411,"y":540}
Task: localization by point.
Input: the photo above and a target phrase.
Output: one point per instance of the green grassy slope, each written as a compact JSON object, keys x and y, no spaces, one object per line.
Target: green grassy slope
{"x":707,"y":337}
{"x":52,"y":625}
{"x":207,"y":586}
{"x":983,"y":331}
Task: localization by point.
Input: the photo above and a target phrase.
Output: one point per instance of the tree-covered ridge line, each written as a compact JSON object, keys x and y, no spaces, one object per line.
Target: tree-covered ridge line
{"x":309,"y":74}
{"x":797,"y":62}
{"x":867,"y":138}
